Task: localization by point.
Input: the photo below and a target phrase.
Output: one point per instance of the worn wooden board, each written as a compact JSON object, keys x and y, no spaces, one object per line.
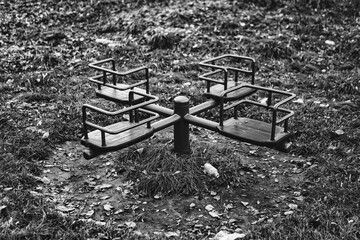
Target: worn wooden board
{"x":253,"y":131}
{"x":216,"y":90}
{"x":119,"y":96}
{"x":120,"y":140}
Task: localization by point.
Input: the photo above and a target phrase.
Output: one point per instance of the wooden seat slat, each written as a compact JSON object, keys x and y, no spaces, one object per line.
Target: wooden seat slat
{"x":252,"y":131}
{"x":116,"y":95}
{"x":216,"y":90}
{"x":120,"y":140}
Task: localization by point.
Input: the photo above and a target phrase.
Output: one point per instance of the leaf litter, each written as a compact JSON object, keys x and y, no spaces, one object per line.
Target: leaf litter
{"x":97,"y":194}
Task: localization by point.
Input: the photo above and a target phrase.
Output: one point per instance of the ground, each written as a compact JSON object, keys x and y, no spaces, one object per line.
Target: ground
{"x":93,"y":190}
{"x":48,"y":191}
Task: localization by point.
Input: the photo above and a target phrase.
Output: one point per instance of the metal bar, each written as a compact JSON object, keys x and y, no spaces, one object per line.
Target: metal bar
{"x":116,"y":72}
{"x":273,"y":125}
{"x":239,"y":70}
{"x":269,"y":100}
{"x":104,"y":77}
{"x":166,"y":122}
{"x":291,"y":95}
{"x":84,"y":123}
{"x":246,"y":101}
{"x":235,"y":113}
{"x":101,"y":62}
{"x":211,"y":80}
{"x":201,"y":122}
{"x":253,"y":72}
{"x":108,"y":113}
{"x":103,"y":142}
{"x":123,"y":129}
{"x":159,"y":109}
{"x":147,"y":84}
{"x":285,"y":118}
{"x":203,"y":107}
{"x":221,"y":112}
{"x":114,"y":69}
{"x":286,"y":125}
{"x":136,"y":115}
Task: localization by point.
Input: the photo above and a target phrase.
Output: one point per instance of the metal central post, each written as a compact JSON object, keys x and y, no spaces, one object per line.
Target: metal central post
{"x":181,"y":128}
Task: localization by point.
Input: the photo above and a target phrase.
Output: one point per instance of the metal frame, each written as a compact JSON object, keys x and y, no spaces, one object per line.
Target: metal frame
{"x":211,"y":63}
{"x":133,"y":119}
{"x":102,"y":79}
{"x":274,"y":108}
{"x":182,"y":115}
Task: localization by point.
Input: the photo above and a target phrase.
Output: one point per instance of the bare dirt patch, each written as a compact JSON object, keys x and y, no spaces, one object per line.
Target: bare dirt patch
{"x":94,"y":191}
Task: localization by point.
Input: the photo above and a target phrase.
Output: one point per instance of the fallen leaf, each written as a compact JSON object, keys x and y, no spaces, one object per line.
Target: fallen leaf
{"x":329,"y":42}
{"x":140,"y":150}
{"x":244,"y":203}
{"x":229,"y":206}
{"x":104,"y":186}
{"x":65,"y":209}
{"x":293,"y":206}
{"x":299,"y":198}
{"x":224,"y":235}
{"x":288,"y":213}
{"x":90,"y":213}
{"x":108,"y":207}
{"x":214,"y":214}
{"x":299,"y":100}
{"x":171,"y":234}
{"x":130,"y":224}
{"x":158,"y":196}
{"x":45,"y":180}
{"x":119,"y":211}
{"x":217,"y":198}
{"x":45,"y":135}
{"x":99,"y":223}
{"x":209,"y":207}
{"x":339,"y":132}
{"x":105,"y":197}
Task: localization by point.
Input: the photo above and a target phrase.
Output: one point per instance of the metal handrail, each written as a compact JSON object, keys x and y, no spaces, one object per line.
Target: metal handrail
{"x":211,"y":63}
{"x":112,"y":72}
{"x":274,"y":108}
{"x":136,"y":107}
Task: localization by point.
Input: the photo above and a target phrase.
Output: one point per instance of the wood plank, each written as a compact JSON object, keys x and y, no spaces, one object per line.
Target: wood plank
{"x":118,"y":95}
{"x":216,"y":90}
{"x":120,"y":140}
{"x":253,"y":131}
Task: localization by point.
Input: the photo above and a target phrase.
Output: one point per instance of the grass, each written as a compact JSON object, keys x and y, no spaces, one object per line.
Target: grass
{"x":159,"y":171}
{"x":43,"y":87}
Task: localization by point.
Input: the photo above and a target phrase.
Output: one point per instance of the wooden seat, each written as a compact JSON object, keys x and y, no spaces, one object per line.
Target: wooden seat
{"x":115,"y":86}
{"x":216,"y":84}
{"x":117,"y":141}
{"x":120,"y":96}
{"x":253,"y":131}
{"x":216,"y":90}
{"x":120,"y":134}
{"x":270,"y":134}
